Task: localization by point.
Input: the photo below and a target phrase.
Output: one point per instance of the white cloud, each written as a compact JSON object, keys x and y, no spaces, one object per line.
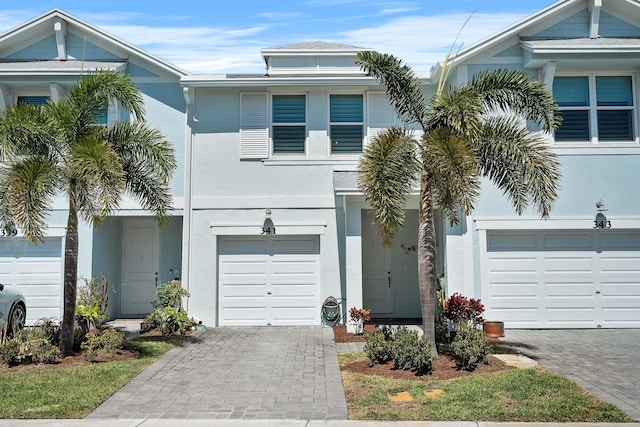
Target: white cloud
{"x":421,"y":41}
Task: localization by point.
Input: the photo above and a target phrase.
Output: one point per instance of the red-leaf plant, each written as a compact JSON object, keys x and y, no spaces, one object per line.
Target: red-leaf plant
{"x":459,"y":308}
{"x":359,"y":314}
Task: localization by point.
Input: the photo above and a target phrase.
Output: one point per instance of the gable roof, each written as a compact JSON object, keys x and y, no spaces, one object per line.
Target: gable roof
{"x":44,"y":24}
{"x":525,"y":28}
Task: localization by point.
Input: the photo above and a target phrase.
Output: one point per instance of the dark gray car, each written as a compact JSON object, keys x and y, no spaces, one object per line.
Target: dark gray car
{"x":13,"y":310}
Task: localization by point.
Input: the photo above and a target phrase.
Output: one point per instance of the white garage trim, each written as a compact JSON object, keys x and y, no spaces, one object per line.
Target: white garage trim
{"x":254,"y":229}
{"x":562,"y":279}
{"x":580,"y":223}
{"x":268,"y":280}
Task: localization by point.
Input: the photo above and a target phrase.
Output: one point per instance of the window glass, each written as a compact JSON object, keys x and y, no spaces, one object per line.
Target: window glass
{"x":571,"y":91}
{"x":289,"y":128}
{"x":346,"y":115}
{"x":33,"y":100}
{"x":610,"y":119}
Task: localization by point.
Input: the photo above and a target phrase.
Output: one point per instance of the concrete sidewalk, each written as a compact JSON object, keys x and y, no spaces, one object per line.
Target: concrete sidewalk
{"x":283,"y":423}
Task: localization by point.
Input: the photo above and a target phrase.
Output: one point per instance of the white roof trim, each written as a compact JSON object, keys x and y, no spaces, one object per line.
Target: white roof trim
{"x":57,"y":68}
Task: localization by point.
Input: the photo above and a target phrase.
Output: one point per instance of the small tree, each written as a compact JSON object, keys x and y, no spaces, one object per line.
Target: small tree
{"x":469,"y":132}
{"x":57,"y":149}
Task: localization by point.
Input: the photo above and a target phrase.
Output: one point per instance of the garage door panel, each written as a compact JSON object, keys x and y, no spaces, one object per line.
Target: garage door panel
{"x":279,"y":286}
{"x":570,"y":317}
{"x":568,"y":265}
{"x":569,"y":289}
{"x":513,"y":265}
{"x":582,"y":279}
{"x":512,"y":289}
{"x":566,"y":241}
{"x":620,"y":264}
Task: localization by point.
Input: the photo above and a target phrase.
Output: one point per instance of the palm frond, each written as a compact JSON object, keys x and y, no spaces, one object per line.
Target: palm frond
{"x":387,"y":174}
{"x":453,"y":168}
{"x":459,"y":110}
{"x":401,"y":84}
{"x":97,"y":169}
{"x":31,"y":185}
{"x":94,"y":90}
{"x":136,"y":142}
{"x":519,"y":163}
{"x":516,"y":91}
{"x":25,"y":130}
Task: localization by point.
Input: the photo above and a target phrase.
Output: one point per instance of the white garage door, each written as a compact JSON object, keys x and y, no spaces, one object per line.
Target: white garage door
{"x":271,"y":280}
{"x":558,"y":279}
{"x":36,"y":271}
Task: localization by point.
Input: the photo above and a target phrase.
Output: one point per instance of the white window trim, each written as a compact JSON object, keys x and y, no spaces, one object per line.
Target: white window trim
{"x":363,"y":124}
{"x":290,"y":156}
{"x":593,"y":113}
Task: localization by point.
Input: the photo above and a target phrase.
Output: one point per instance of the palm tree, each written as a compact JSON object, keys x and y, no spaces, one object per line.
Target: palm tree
{"x":57,"y":149}
{"x":468,"y":133}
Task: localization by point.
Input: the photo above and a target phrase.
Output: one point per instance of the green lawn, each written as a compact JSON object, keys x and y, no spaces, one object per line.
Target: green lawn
{"x":73,"y":392}
{"x":512,"y":395}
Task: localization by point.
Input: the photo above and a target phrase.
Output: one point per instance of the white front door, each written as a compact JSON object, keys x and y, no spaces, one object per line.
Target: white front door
{"x":141,"y":263}
{"x":377,"y":270}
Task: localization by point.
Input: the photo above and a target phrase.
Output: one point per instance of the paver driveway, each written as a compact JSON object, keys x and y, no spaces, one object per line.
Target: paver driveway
{"x":604,"y":362}
{"x":239,"y":373}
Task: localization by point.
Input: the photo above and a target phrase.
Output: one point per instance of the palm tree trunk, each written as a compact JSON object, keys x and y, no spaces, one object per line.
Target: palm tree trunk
{"x":70,"y":277}
{"x":427,"y":261}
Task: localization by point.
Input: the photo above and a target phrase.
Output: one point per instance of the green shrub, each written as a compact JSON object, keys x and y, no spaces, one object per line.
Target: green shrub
{"x":29,"y":347}
{"x":403,"y":348}
{"x":470,"y":347}
{"x":377,"y":347}
{"x":10,"y":350}
{"x":93,"y":298}
{"x":170,"y":321}
{"x":109,"y":340}
{"x":41,"y":351}
{"x":169,"y":295}
{"x":422,"y":362}
{"x":48,"y":329}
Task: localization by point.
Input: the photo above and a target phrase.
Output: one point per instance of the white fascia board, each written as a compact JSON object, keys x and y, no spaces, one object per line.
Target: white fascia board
{"x":216,"y":81}
{"x":255,"y":229}
{"x":580,"y":223}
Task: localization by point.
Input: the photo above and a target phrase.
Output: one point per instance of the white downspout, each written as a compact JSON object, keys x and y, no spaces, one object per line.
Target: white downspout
{"x":186,"y":217}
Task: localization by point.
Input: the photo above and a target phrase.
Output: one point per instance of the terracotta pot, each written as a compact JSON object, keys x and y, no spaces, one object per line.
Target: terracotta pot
{"x":493,"y":329}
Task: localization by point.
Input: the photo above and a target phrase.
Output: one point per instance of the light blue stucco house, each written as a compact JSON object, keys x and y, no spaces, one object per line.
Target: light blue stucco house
{"x":39,"y":60}
{"x":268,"y":217}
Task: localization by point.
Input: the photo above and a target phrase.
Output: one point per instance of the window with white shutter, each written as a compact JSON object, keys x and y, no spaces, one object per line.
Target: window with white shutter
{"x":380,"y":114}
{"x":254,"y":129}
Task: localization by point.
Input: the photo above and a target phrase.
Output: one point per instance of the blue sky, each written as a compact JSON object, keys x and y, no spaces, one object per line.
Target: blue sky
{"x":212,"y":36}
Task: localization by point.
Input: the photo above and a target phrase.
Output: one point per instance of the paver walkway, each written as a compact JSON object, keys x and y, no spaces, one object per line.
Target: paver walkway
{"x":239,"y":373}
{"x":604,"y":362}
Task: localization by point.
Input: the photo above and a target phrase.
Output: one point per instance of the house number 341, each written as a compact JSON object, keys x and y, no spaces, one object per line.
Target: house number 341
{"x":267,"y":230}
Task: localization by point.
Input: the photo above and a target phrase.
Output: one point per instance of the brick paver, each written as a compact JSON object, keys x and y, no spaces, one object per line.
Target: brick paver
{"x":239,"y":373}
{"x":604,"y":362}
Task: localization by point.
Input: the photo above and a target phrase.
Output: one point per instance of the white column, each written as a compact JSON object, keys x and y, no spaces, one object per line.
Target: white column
{"x":353,"y":256}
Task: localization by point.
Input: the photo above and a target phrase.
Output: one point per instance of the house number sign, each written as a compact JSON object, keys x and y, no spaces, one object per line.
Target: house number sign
{"x":601,"y":222}
{"x":9,"y":233}
{"x":268,"y":230}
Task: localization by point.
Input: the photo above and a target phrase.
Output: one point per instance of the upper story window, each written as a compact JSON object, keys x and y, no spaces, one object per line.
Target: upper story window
{"x":33,"y":100}
{"x":346,"y":123}
{"x":595,"y":108}
{"x":288,"y":123}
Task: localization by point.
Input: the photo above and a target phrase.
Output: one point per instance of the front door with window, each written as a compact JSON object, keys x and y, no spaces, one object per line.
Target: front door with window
{"x":377,"y":270}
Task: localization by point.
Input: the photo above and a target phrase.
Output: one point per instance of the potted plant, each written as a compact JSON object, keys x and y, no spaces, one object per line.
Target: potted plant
{"x":357,"y":317}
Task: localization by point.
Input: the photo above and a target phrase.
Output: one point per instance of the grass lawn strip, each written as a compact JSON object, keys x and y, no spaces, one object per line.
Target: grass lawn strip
{"x":73,"y":392}
{"x":532,"y":395}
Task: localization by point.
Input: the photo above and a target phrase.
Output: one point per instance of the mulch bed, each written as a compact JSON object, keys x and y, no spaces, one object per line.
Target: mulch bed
{"x":70,"y":361}
{"x":444,"y":366}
